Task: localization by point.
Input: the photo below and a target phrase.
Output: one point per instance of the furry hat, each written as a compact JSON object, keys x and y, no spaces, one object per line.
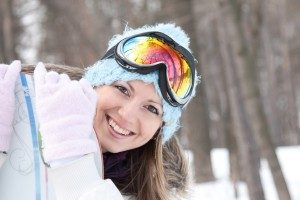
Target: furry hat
{"x":107,"y":71}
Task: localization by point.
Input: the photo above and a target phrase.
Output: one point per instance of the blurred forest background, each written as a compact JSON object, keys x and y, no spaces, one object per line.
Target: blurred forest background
{"x":248,"y":53}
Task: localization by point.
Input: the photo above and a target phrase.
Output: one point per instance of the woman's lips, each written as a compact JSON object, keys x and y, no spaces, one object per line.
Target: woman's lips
{"x":114,"y":133}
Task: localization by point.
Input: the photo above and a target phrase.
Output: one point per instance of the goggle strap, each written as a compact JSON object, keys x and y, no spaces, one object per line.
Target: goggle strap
{"x":109,"y":53}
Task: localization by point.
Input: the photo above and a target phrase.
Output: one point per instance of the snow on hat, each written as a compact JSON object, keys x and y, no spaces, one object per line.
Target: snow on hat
{"x":107,"y":71}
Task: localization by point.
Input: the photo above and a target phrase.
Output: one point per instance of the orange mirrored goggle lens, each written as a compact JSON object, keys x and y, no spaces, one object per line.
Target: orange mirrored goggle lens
{"x":146,"y":50}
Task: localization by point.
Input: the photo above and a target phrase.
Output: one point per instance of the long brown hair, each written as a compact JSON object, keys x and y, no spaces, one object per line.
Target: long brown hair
{"x":155,"y":170}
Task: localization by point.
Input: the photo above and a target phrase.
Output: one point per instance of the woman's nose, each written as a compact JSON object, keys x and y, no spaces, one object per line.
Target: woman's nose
{"x":128,"y":111}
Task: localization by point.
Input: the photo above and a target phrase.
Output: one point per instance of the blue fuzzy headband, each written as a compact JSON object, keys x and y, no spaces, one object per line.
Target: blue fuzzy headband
{"x":107,"y":71}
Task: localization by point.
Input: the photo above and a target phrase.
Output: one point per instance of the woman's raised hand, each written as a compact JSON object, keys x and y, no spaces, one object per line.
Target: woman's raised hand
{"x":8,"y":77}
{"x":65,"y":111}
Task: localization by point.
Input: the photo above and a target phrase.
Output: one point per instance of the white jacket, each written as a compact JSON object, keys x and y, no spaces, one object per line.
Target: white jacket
{"x":23,"y":175}
{"x":77,"y":180}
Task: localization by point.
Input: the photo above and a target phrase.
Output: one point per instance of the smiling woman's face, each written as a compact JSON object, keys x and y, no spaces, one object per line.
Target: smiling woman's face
{"x":128,"y":115}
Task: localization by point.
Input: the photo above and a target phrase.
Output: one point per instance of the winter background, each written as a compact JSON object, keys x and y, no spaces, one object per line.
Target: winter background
{"x":30,"y":47}
{"x":222,"y":188}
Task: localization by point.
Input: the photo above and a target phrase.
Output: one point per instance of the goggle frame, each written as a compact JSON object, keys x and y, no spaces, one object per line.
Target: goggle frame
{"x":168,"y":94}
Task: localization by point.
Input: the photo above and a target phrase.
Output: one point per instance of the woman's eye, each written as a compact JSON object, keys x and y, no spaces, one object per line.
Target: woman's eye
{"x":153,"y":109}
{"x":122,"y":89}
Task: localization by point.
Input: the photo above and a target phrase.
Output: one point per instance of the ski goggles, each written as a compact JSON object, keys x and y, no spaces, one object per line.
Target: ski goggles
{"x":151,"y":51}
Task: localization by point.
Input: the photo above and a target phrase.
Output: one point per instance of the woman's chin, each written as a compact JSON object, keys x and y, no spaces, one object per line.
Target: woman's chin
{"x":111,"y":147}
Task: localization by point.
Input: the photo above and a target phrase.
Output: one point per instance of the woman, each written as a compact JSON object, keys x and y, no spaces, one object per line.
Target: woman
{"x":140,"y":87}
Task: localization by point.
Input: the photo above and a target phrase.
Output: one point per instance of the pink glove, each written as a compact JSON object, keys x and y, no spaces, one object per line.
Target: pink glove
{"x":65,"y":111}
{"x":8,"y":77}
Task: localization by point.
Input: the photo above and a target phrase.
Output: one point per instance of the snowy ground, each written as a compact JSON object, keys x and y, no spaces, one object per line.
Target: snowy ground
{"x":222,"y":189}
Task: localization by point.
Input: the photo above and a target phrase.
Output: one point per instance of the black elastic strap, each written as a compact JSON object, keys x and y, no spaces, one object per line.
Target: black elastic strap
{"x":109,"y":53}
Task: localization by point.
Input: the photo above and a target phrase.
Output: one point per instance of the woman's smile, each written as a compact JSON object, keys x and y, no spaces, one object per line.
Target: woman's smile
{"x":116,"y":130}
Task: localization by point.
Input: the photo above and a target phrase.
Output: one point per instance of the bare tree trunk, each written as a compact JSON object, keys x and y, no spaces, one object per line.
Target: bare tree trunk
{"x":255,"y":111}
{"x":284,"y":84}
{"x":198,"y":140}
{"x":7,"y":33}
{"x":232,"y":61}
{"x":291,"y":28}
{"x":231,"y":142}
{"x":228,"y":120}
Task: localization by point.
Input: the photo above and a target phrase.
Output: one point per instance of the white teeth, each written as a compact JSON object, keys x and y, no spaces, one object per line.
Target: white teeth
{"x":118,"y":129}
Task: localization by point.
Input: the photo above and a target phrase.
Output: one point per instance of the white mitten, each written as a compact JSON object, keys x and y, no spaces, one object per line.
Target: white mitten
{"x":8,"y":77}
{"x":65,"y":111}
